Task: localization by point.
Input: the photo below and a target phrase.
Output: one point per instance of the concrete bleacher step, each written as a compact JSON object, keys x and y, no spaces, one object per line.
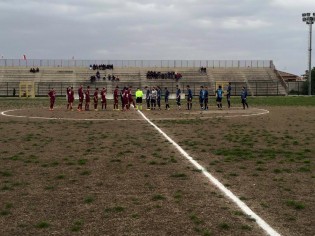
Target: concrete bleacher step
{"x":136,"y":77}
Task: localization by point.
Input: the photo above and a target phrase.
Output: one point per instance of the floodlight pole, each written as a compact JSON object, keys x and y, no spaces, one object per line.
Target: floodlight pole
{"x":310,"y":62}
{"x":309,"y":18}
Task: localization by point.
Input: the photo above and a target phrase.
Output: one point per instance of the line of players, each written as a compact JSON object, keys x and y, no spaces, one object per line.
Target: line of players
{"x":153,"y":98}
{"x":125,"y":94}
{"x":203,"y":97}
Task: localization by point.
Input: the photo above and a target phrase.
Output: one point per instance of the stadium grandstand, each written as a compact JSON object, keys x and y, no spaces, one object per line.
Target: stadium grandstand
{"x":259,"y":76}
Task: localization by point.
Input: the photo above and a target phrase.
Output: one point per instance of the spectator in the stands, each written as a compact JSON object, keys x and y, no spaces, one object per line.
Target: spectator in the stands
{"x":160,"y":75}
{"x":102,"y":67}
{"x":33,"y":70}
{"x":98,"y":75}
{"x":203,"y":69}
{"x":92,"y":78}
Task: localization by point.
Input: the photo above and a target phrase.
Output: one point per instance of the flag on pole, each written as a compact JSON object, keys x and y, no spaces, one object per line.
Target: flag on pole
{"x":24,"y":57}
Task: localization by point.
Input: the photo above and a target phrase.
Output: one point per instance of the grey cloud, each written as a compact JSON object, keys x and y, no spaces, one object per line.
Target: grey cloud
{"x":141,"y":29}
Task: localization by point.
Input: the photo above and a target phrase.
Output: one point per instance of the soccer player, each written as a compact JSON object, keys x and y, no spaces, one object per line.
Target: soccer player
{"x":167,"y":94}
{"x":148,"y":97}
{"x":159,"y":94}
{"x":52,"y":96}
{"x":103,"y":98}
{"x":116,"y":91}
{"x":139,"y":95}
{"x":206,"y":96}
{"x":228,"y":95}
{"x":95,"y":98}
{"x":189,"y":98}
{"x":81,"y":97}
{"x":178,"y":93}
{"x":219,"y":93}
{"x":68,"y":97}
{"x":244,"y":97}
{"x":122,"y":93}
{"x":71,"y":98}
{"x":125,"y":99}
{"x":87,"y":98}
{"x":153,"y":98}
{"x":130,"y":98}
{"x":201,"y":97}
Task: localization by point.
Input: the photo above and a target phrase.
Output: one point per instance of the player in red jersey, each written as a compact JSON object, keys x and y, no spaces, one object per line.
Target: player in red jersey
{"x":103,"y":97}
{"x":125,"y":99}
{"x":95,"y":97}
{"x":52,"y":96}
{"x":122,"y":92}
{"x":116,"y":91}
{"x":81,"y":97}
{"x":87,"y":98}
{"x":68,"y":97}
{"x":71,"y":98}
{"x":131,"y":101}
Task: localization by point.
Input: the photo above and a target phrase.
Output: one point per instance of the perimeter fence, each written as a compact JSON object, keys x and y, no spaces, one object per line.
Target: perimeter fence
{"x":10,"y":89}
{"x":138,"y":63}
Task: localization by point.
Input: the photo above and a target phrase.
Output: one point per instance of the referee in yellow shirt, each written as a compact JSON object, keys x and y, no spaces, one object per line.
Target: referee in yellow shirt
{"x":139,"y":95}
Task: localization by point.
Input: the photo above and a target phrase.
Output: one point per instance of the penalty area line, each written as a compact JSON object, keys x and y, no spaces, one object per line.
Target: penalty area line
{"x":261,"y":223}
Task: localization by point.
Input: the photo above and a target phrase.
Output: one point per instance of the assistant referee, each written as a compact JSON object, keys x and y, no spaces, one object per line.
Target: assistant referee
{"x":139,"y":95}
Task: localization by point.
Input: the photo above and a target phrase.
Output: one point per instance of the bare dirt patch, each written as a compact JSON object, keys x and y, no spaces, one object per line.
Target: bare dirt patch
{"x":120,"y":177}
{"x":268,"y":161}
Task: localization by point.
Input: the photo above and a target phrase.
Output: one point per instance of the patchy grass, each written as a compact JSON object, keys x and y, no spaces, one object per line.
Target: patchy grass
{"x":296,"y":205}
{"x":263,"y":158}
{"x":42,"y":225}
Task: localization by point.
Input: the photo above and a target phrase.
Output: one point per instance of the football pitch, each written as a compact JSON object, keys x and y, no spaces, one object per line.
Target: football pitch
{"x":113,"y":173}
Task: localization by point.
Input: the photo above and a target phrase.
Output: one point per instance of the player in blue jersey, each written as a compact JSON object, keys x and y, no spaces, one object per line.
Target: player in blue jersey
{"x":178,"y":93}
{"x":167,"y":94}
{"x":201,"y":97}
{"x":206,"y":101}
{"x":148,"y":97}
{"x":244,"y":97}
{"x":189,"y":98}
{"x":219,"y":93}
{"x":159,"y":94}
{"x":228,"y":95}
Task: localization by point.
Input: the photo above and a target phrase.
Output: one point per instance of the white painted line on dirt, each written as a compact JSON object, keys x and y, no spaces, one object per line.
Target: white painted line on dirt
{"x":4,"y":113}
{"x":264,"y":225}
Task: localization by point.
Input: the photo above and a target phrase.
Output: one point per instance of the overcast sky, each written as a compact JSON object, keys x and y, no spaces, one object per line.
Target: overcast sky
{"x":157,"y":29}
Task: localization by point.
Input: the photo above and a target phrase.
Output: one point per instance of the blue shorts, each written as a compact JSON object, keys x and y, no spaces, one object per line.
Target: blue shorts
{"x":219,"y":99}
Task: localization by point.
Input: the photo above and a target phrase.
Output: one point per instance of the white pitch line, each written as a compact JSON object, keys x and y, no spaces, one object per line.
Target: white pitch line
{"x":261,"y":223}
{"x":4,"y":113}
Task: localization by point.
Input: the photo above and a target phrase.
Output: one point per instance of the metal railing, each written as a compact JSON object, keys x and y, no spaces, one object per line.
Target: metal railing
{"x":138,"y":63}
{"x":42,"y":88}
{"x":296,"y":88}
